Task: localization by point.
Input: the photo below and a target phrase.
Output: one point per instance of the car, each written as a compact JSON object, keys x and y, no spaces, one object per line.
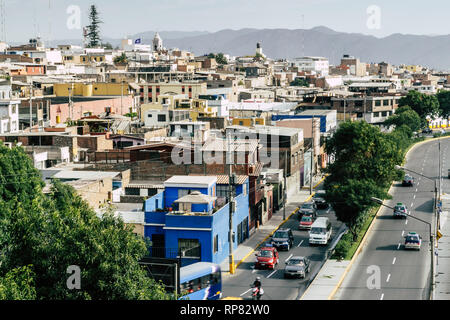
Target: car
{"x":267,"y":257}
{"x":427,"y":130}
{"x":413,"y":241}
{"x":306,"y":222}
{"x":283,"y":239}
{"x":408,"y":180}
{"x":401,"y":210}
{"x":319,"y":200}
{"x":297,"y":266}
{"x":307,"y":208}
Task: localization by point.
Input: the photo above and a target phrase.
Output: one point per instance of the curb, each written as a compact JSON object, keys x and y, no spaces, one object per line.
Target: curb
{"x":273,"y":231}
{"x":358,"y":251}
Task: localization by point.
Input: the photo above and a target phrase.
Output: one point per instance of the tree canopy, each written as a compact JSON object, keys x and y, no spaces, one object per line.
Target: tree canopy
{"x":405,"y":116}
{"x":424,"y":104}
{"x":94,"y":27}
{"x":41,"y":235}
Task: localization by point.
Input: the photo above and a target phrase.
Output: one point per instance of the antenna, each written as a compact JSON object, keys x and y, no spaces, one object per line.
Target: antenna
{"x":50,"y":23}
{"x":2,"y":20}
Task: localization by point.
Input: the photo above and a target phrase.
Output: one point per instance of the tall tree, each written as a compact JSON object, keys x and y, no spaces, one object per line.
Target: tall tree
{"x":424,"y":104}
{"x":443,"y":97}
{"x":405,"y":116}
{"x":49,"y":232}
{"x":94,"y":27}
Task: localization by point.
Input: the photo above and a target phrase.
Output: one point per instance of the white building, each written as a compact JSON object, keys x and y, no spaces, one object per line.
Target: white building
{"x":318,"y":65}
{"x":9,"y":110}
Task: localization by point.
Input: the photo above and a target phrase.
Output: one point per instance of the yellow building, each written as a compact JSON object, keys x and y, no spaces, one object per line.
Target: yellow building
{"x":90,"y":89}
{"x":149,"y":92}
{"x":248,"y":122}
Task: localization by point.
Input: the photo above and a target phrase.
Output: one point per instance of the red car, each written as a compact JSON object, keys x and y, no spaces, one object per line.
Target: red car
{"x":267,"y":257}
{"x":306,"y":222}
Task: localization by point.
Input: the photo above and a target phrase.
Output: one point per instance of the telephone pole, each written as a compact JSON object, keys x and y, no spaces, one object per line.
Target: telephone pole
{"x":230,"y":157}
{"x":31,"y":105}
{"x":312,"y":157}
{"x":285,"y":184}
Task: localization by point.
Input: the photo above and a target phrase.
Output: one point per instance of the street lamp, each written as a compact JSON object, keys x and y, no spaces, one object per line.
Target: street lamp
{"x":434,"y":180}
{"x":379,"y":201}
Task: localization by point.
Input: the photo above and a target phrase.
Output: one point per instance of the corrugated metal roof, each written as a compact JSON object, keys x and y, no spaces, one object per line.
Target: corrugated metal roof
{"x":223,"y":179}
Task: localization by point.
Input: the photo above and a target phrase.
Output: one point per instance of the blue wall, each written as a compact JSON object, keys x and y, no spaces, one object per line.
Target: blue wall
{"x":217,"y":222}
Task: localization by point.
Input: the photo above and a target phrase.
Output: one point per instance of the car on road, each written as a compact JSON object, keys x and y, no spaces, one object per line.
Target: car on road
{"x":413,"y":241}
{"x":319,"y":200}
{"x":307,"y":208}
{"x":408,"y":180}
{"x":427,"y":131}
{"x":267,"y":257}
{"x":306,"y":222}
{"x":283,"y":239}
{"x":297,"y":266}
{"x":401,"y":210}
{"x":321,"y":231}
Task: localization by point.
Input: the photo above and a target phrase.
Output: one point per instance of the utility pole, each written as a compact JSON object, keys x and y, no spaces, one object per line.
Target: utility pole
{"x":285,"y":184}
{"x":312,"y":157}
{"x":31,"y":105}
{"x":230,"y":156}
{"x":121,"y":98}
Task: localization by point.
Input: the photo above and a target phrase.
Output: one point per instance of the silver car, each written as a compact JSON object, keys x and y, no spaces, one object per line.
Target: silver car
{"x":297,"y":267}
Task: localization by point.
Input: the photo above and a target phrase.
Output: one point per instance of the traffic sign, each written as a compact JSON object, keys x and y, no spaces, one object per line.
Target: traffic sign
{"x":439,"y":235}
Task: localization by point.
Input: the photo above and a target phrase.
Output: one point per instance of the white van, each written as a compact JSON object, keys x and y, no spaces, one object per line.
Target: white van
{"x":320,"y":231}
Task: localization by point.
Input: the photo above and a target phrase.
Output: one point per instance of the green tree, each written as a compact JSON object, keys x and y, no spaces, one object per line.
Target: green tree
{"x":405,"y":116}
{"x":18,"y":284}
{"x":121,"y":59}
{"x":220,"y":58}
{"x":425,"y":105}
{"x":363,"y":167}
{"x":443,"y":97}
{"x":94,"y":27}
{"x":50,"y":232}
{"x":300,"y":82}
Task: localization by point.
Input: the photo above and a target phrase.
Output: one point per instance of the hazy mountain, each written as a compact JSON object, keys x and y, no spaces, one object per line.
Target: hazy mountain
{"x":397,"y":48}
{"x":431,"y":51}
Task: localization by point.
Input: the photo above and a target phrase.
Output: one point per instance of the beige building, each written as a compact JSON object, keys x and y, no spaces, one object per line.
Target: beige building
{"x":149,"y":92}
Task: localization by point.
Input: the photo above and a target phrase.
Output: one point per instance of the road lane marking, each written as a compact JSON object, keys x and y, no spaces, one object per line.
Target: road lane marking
{"x":398,"y":248}
{"x":272,"y":273}
{"x":388,"y":277}
{"x":393,"y":261}
{"x":254,"y":270}
{"x":412,"y":203}
{"x":245,"y":292}
{"x":300,"y":244}
{"x":414,"y":197}
{"x":406,"y":221}
{"x":382,"y":296}
{"x":403,"y":232}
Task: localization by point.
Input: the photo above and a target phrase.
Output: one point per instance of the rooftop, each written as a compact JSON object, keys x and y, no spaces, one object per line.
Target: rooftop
{"x":199,"y":181}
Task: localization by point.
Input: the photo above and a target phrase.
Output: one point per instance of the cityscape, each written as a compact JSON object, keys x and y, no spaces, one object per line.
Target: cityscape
{"x":265,"y":163}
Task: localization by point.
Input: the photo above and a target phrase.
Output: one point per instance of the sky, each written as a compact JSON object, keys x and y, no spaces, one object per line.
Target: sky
{"x":63,"y":19}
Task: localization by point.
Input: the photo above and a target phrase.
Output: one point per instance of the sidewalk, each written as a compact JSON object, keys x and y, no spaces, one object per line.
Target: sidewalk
{"x":442,"y":288}
{"x":245,"y":249}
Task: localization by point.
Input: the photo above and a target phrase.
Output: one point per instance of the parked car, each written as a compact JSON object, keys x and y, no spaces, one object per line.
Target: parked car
{"x":297,"y":266}
{"x":401,"y":211}
{"x":413,"y":241}
{"x":319,"y":200}
{"x":283,"y":239}
{"x":408,"y":180}
{"x":427,"y":131}
{"x":306,"y":222}
{"x":307,"y":208}
{"x":267,"y":257}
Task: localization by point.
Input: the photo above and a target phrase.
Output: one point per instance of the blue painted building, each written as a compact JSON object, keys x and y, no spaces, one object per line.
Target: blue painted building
{"x":190,"y":220}
{"x":328,"y":118}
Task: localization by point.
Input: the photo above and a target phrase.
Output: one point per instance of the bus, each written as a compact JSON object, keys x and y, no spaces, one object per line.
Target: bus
{"x":201,"y":281}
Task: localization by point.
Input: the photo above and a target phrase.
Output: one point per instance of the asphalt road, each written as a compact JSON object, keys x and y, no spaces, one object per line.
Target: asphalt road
{"x":274,"y":285}
{"x":403,"y":274}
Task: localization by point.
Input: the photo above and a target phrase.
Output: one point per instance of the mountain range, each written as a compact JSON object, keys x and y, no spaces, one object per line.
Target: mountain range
{"x":428,"y":50}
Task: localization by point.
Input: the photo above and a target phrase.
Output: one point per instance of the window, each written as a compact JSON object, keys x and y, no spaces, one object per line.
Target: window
{"x":222,"y":191}
{"x":149,"y":115}
{"x":377,"y":103}
{"x":385,"y":102}
{"x":384,"y":114}
{"x":216,"y":243}
{"x":189,"y":248}
{"x":376,"y":114}
{"x":358,"y":103}
{"x":241,"y":123}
